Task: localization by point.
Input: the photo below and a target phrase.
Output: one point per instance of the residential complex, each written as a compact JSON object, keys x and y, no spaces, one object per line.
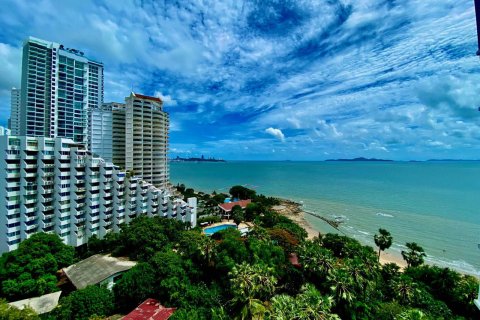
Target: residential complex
{"x":55,"y":185}
{"x":59,"y":87}
{"x":64,"y":167}
{"x":146,"y":142}
{"x":14,"y":121}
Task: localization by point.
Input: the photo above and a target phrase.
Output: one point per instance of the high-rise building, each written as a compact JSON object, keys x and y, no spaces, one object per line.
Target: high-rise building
{"x":55,"y":185}
{"x":100,"y":139}
{"x":14,"y":122}
{"x":118,"y":133}
{"x":146,"y":142}
{"x":59,"y":87}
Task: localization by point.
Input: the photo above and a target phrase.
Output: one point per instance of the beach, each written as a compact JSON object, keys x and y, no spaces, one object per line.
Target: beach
{"x":293,"y":210}
{"x":434,"y":204}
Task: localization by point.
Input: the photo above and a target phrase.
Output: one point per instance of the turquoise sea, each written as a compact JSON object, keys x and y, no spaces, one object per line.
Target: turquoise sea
{"x":436,"y":204}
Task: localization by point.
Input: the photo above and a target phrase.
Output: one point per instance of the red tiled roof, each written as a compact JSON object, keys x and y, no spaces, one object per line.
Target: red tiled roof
{"x":141,"y":96}
{"x":150,"y":309}
{"x":293,"y":258}
{"x":228,"y":206}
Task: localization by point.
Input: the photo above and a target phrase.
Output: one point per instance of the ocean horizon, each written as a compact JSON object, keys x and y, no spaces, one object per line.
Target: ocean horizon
{"x":433,"y":203}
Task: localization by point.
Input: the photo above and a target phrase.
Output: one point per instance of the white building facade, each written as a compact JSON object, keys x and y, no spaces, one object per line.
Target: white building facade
{"x":100,"y":139}
{"x":54,"y":185}
{"x":146,"y":139}
{"x":14,"y":122}
{"x":59,"y":87}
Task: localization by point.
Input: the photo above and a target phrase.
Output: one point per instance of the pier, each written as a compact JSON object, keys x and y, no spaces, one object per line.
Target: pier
{"x":335,"y":224}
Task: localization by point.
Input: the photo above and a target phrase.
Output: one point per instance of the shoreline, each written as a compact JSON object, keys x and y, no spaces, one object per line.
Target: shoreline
{"x":294,"y":211}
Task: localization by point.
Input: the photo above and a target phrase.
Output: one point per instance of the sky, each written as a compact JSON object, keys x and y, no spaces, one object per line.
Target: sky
{"x":277,"y":80}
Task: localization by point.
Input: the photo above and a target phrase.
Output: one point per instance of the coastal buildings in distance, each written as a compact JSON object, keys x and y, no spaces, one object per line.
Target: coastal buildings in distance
{"x":73,"y":165}
{"x":55,"y":185}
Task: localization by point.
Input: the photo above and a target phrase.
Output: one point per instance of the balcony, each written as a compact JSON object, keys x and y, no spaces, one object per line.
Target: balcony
{"x":29,"y":174}
{"x":31,"y":227}
{"x":45,"y":216}
{"x":15,"y":174}
{"x":13,"y":156}
{"x":30,"y":200}
{"x":30,"y":191}
{"x":13,"y":166}
{"x":31,"y":166}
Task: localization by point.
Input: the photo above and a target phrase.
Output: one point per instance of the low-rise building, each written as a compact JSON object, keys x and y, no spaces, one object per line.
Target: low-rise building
{"x":97,"y":270}
{"x":150,"y":309}
{"x":226,"y":208}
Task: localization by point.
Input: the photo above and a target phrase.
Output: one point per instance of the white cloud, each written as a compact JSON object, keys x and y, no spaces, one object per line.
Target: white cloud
{"x":167,"y":99}
{"x":277,"y":133}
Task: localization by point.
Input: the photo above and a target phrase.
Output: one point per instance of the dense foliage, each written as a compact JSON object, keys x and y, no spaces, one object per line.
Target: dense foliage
{"x":7,"y":312}
{"x":31,"y":269}
{"x":274,"y":272}
{"x":85,"y":303}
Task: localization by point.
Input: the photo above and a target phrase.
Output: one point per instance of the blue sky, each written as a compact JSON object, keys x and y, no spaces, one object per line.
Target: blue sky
{"x":277,"y":80}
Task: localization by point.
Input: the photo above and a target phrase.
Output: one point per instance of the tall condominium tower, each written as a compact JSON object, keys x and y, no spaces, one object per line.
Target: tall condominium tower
{"x":118,"y":133}
{"x":15,"y":112}
{"x":146,"y":139}
{"x":59,"y":87}
{"x":100,"y":141}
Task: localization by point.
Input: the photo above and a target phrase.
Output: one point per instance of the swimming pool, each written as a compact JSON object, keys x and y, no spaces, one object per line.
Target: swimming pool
{"x":212,"y":230}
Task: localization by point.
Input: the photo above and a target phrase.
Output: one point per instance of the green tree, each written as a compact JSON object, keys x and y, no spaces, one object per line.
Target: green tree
{"x":383,"y":240}
{"x":415,"y":254}
{"x":253,"y":210}
{"x":316,"y":259}
{"x":84,"y":303}
{"x":237,"y":214}
{"x":30,"y":270}
{"x":309,"y":304}
{"x":144,"y":236}
{"x":251,"y":286}
{"x":242,"y":193}
{"x":136,"y":285}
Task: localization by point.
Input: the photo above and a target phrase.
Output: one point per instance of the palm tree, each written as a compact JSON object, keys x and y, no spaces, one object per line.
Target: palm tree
{"x":383,"y":240}
{"x":251,"y":285}
{"x":404,"y":289}
{"x":342,"y":286}
{"x":307,"y":305}
{"x":316,"y":259}
{"x":414,"y":256}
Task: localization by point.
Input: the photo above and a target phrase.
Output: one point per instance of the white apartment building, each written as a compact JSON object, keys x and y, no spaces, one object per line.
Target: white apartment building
{"x":59,"y":87}
{"x":55,"y":185}
{"x":100,"y":139}
{"x":146,"y":142}
{"x":14,"y":122}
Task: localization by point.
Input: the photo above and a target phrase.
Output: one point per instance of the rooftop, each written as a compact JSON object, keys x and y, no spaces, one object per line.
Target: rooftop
{"x":141,"y":96}
{"x":95,"y":269}
{"x":42,"y":304}
{"x":150,"y":309}
{"x":228,"y":206}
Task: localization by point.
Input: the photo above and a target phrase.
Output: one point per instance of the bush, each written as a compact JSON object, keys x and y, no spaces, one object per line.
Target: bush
{"x":82,"y":304}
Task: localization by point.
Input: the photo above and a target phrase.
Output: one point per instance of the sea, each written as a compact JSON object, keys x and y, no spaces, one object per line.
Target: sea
{"x":435,"y":204}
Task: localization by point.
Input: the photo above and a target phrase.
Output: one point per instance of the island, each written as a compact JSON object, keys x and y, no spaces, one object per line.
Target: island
{"x":361,"y":159}
{"x":192,"y":159}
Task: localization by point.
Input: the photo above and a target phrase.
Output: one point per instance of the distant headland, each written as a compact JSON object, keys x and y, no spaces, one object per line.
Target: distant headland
{"x":201,"y":159}
{"x":360,"y":159}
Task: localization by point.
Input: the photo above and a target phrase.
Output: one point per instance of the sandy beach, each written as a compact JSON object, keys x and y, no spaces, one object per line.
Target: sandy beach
{"x":294,"y":211}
